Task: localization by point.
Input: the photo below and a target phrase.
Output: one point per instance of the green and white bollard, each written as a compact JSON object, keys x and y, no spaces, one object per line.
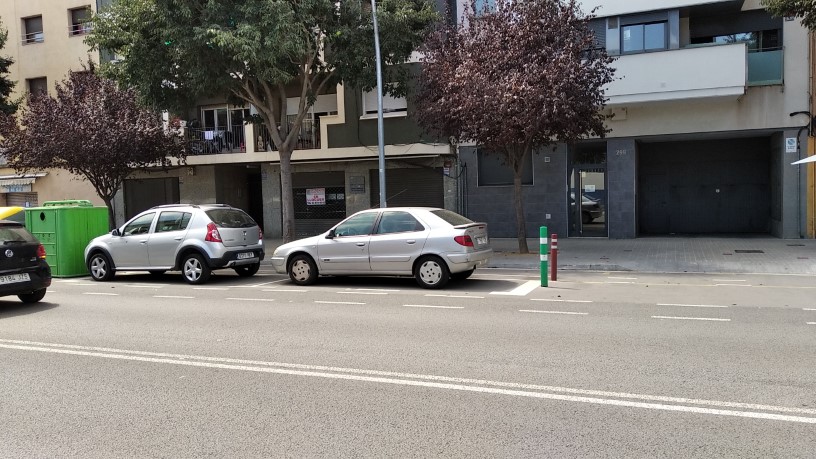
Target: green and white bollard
{"x":545,"y":250}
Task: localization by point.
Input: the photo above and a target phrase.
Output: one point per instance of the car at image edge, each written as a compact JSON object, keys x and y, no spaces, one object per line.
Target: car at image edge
{"x":432,"y":245}
{"x":194,"y":239}
{"x":23,"y":269}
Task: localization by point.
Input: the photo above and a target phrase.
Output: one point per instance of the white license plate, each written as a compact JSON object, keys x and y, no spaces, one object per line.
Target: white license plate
{"x":481,"y":240}
{"x":245,"y":255}
{"x":12,"y":278}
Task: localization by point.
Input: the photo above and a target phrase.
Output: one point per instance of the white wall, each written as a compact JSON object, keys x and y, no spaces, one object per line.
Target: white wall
{"x":619,"y":7}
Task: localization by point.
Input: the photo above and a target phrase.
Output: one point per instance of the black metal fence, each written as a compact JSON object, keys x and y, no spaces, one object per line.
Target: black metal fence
{"x":308,"y":137}
{"x":209,"y":141}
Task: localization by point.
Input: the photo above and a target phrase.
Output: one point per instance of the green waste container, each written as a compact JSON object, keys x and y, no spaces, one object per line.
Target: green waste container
{"x":64,"y":228}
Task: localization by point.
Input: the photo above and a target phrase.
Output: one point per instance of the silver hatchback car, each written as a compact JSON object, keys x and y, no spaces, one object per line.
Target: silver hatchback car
{"x":194,"y":239}
{"x":432,"y":245}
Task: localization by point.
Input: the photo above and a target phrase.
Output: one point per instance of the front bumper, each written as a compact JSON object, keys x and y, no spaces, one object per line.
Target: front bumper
{"x":279,"y":263}
{"x":231,"y":260}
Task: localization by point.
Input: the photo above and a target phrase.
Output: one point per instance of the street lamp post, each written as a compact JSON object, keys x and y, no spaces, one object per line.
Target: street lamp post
{"x":380,"y":134}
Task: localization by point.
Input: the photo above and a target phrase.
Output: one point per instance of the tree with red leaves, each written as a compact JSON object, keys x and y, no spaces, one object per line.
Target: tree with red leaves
{"x":513,"y":78}
{"x":93,"y":129}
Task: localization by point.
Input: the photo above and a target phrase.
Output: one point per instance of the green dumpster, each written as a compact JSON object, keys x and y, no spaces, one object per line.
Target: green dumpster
{"x":64,"y":228}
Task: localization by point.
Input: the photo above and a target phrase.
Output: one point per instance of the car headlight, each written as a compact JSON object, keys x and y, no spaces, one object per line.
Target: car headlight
{"x":277,"y":252}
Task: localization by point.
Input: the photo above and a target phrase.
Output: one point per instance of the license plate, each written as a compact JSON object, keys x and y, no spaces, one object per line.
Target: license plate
{"x":245,"y":255}
{"x":12,"y":278}
{"x":481,"y":240}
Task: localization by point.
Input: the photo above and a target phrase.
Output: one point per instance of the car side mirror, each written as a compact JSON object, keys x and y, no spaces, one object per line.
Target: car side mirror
{"x":330,"y":234}
{"x":115,"y":232}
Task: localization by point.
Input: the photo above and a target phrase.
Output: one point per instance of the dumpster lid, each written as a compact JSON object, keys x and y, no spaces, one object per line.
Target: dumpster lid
{"x":68,"y":202}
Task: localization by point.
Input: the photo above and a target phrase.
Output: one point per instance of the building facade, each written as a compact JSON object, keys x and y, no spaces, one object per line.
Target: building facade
{"x":45,"y":40}
{"x":710,"y":106}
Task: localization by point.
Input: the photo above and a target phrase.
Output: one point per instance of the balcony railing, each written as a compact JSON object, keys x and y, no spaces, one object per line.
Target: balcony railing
{"x":766,"y":67}
{"x":210,"y":141}
{"x":33,"y":37}
{"x":308,"y":137}
{"x":79,"y":29}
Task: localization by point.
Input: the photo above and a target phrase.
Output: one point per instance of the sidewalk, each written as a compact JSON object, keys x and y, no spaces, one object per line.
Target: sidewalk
{"x":748,"y":254}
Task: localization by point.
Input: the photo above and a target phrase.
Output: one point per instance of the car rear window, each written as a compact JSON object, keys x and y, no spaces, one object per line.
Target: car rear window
{"x":230,"y":218}
{"x":15,"y":234}
{"x":451,"y":217}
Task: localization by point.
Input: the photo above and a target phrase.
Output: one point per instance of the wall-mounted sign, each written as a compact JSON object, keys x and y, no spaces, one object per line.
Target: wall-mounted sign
{"x":357,"y":184}
{"x":790,"y":144}
{"x":315,"y":196}
{"x":589,"y":188}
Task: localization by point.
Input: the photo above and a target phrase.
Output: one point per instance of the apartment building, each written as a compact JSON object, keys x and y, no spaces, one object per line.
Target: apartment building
{"x":711,"y":106}
{"x":46,"y":40}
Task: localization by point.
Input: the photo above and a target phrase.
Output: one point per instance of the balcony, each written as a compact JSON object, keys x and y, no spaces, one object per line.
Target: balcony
{"x":765,"y":67}
{"x":233,"y":139}
{"x":686,"y":73}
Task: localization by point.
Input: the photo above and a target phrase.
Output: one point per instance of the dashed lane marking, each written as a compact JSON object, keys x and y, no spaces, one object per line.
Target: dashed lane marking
{"x":560,"y":301}
{"x":693,"y":305}
{"x":712,"y":319}
{"x":210,"y":288}
{"x":100,"y":293}
{"x":432,"y":306}
{"x":362,"y":293}
{"x":175,"y":297}
{"x":455,"y":296}
{"x":337,"y":302}
{"x":251,"y":299}
{"x":570,"y":313}
{"x":285,"y":290}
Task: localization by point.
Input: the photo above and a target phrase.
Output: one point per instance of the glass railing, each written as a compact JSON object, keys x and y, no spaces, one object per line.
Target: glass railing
{"x":765,"y":67}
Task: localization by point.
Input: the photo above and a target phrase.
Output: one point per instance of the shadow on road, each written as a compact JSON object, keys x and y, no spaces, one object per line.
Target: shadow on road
{"x":11,"y":308}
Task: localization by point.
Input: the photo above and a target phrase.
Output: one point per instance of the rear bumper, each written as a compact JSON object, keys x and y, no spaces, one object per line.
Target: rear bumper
{"x":230,"y":258}
{"x":40,"y":279}
{"x":465,"y":261}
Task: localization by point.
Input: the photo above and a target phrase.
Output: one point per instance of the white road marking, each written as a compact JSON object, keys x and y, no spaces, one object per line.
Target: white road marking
{"x":455,"y":296}
{"x":624,"y":278}
{"x":210,"y":288}
{"x":555,"y":312}
{"x":144,"y":285}
{"x":560,"y":301}
{"x":372,"y":289}
{"x":256,"y":285}
{"x":337,"y":302}
{"x":811,"y":323}
{"x":809,"y":309}
{"x":693,"y":305}
{"x":521,"y":290}
{"x":88,"y":284}
{"x":692,"y":318}
{"x":174,"y":296}
{"x":362,"y":293}
{"x":67,"y":281}
{"x":285,"y":290}
{"x":732,"y":280}
{"x":733,"y":285}
{"x":100,"y":293}
{"x":251,"y":299}
{"x":432,"y":306}
{"x":433,"y":381}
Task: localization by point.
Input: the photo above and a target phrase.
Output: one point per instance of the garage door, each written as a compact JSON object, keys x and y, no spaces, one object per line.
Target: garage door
{"x":142,"y":194}
{"x":704,"y":187}
{"x":409,"y":187}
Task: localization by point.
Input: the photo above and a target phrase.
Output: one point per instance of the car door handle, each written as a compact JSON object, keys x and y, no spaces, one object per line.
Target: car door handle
{"x":178,"y":238}
{"x":361,"y":244}
{"x":411,"y":241}
{"x":143,"y":241}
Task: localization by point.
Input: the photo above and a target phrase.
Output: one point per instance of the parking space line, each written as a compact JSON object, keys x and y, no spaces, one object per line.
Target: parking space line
{"x":570,"y":313}
{"x":454,"y":296}
{"x":431,"y":306}
{"x":521,"y":290}
{"x":809,"y":309}
{"x":256,"y":285}
{"x":693,"y":305}
{"x":560,"y":301}
{"x":144,"y":285}
{"x":285,"y":290}
{"x":174,"y":297}
{"x":373,"y":289}
{"x":337,"y":302}
{"x":623,"y":278}
{"x":362,"y":293}
{"x":712,"y":319}
{"x":811,"y":323}
{"x":100,"y":293}
{"x":251,"y":299}
{"x":210,"y":288}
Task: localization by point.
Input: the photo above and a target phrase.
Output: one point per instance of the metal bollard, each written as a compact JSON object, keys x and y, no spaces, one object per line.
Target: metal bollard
{"x":554,"y":252}
{"x":544,"y":250}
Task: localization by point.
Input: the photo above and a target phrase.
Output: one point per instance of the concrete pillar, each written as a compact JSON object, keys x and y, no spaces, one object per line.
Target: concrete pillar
{"x":791,"y":186}
{"x":621,"y":178}
{"x":271,"y":193}
{"x":358,"y":190}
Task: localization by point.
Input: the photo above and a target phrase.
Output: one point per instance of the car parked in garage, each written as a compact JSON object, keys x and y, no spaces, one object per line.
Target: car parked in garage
{"x":195,"y":239}
{"x":432,"y":245}
{"x":23,"y":269}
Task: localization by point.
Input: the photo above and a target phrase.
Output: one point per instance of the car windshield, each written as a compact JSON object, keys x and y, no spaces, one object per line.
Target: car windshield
{"x":15,"y":235}
{"x":451,"y":217}
{"x":230,"y":218}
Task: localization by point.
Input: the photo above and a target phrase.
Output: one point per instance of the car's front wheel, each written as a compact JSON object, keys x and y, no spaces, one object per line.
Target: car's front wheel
{"x":431,"y":272}
{"x":302,"y":270}
{"x":195,"y":269}
{"x":32,"y":297}
{"x":247,"y":270}
{"x":100,"y":267}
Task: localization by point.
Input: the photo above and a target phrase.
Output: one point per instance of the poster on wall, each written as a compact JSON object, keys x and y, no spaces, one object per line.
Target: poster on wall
{"x":315,"y":196}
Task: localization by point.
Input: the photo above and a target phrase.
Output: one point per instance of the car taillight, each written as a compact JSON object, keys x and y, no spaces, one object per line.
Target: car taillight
{"x":212,"y":233}
{"x":41,"y":252}
{"x":464,"y":240}
{"x":260,"y":234}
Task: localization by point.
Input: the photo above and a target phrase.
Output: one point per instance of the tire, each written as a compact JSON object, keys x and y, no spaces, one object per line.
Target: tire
{"x":32,"y":297}
{"x":100,"y":267}
{"x":302,"y":270}
{"x":194,"y":269}
{"x":247,"y":270}
{"x":431,"y":272}
{"x":586,"y":217}
{"x":462,"y":275}
{"x":156,"y":272}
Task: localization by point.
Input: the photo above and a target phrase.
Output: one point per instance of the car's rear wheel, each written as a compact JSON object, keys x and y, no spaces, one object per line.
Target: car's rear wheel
{"x":302,"y":270}
{"x":247,"y":270}
{"x":32,"y":297}
{"x":431,"y":272}
{"x":100,"y":267}
{"x":462,"y":275}
{"x":195,"y":269}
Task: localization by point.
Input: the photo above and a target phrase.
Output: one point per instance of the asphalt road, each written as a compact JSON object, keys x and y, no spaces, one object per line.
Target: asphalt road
{"x":596,"y":365}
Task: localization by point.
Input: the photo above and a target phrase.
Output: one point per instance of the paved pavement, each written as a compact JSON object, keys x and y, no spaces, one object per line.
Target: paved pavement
{"x":747,"y":254}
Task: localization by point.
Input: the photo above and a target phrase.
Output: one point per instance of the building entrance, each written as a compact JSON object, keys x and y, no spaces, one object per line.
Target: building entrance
{"x":587,"y":199}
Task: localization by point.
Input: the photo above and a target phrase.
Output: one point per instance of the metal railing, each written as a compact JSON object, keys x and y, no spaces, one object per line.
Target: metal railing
{"x":33,"y":37}
{"x":210,"y":141}
{"x":79,"y":29}
{"x":308,"y":137}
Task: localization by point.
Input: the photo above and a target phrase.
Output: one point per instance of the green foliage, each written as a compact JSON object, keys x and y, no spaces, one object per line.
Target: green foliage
{"x":6,"y":85}
{"x":92,"y":128}
{"x":804,"y":9}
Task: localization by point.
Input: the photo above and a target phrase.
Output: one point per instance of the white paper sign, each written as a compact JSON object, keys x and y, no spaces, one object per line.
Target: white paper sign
{"x":790,"y":145}
{"x":315,"y":196}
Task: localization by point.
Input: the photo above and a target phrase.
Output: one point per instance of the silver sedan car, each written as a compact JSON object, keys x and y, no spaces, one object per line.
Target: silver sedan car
{"x":432,"y":245}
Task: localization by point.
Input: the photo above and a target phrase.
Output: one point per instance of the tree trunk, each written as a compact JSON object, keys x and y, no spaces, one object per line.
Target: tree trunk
{"x":287,"y":199}
{"x":111,"y":217}
{"x":521,"y":222}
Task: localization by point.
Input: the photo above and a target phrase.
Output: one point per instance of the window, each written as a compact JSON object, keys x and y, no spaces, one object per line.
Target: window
{"x":173,"y":221}
{"x":390,"y":104}
{"x":230,"y":218}
{"x":80,"y":18}
{"x":140,"y":225}
{"x":765,"y":40}
{"x":493,"y":171}
{"x":637,"y":38}
{"x":33,"y":30}
{"x":37,"y":86}
{"x":358,"y":225}
{"x":398,"y":222}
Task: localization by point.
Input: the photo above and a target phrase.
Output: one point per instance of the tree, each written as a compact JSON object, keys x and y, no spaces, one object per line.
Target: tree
{"x":6,"y":85}
{"x":93,"y":129}
{"x":514,"y":78}
{"x":176,"y":51}
{"x":804,"y":9}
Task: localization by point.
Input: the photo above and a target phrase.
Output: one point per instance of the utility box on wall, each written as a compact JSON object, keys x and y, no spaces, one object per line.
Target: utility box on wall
{"x":64,"y":228}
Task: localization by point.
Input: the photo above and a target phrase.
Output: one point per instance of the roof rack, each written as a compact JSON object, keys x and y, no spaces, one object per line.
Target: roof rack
{"x":173,"y":205}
